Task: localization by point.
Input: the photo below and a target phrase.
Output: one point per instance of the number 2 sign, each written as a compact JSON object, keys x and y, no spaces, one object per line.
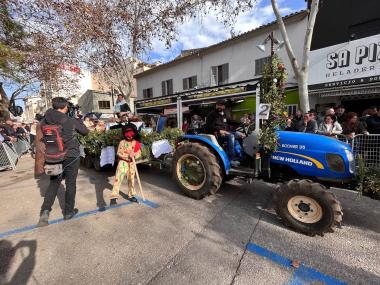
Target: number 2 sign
{"x":264,"y":110}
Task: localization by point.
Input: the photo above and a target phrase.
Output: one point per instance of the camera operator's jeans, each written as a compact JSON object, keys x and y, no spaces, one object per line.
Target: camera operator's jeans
{"x":230,"y":139}
{"x":70,"y":173}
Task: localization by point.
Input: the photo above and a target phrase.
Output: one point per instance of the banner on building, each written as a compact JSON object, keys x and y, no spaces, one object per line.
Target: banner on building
{"x":349,"y":63}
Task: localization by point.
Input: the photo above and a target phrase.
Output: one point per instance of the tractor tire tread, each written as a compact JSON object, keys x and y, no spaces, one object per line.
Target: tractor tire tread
{"x":332,"y":209}
{"x":210,"y":161}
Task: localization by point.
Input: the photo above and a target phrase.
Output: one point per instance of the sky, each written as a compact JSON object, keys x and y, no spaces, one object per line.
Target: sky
{"x":208,"y":31}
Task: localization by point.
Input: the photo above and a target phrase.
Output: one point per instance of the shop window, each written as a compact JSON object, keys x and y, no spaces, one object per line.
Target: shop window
{"x":148,"y":93}
{"x":189,"y":82}
{"x":260,"y":65}
{"x":292,"y":109}
{"x":104,"y":104}
{"x":167,"y":87}
{"x":219,"y":74}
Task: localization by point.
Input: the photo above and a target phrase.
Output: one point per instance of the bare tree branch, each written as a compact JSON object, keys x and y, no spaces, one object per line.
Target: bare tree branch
{"x":285,"y":37}
{"x":301,"y":72}
{"x":309,"y":35}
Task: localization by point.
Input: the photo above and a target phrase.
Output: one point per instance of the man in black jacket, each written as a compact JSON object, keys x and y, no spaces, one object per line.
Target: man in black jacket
{"x":70,"y":126}
{"x":219,"y":125}
{"x":373,"y":123}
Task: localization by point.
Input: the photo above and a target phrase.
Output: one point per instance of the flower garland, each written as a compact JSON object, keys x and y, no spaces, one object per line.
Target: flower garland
{"x":272,"y":92}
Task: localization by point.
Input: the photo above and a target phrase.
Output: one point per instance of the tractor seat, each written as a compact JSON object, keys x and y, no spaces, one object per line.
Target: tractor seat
{"x":211,"y":138}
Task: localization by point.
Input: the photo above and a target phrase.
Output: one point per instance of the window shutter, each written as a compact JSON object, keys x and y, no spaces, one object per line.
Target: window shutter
{"x":184,"y":82}
{"x":225,"y":73}
{"x":194,"y":82}
{"x":214,"y":70}
{"x":163,"y":85}
{"x":170,"y":87}
{"x":260,"y":65}
{"x":144,"y":93}
{"x":257,"y":67}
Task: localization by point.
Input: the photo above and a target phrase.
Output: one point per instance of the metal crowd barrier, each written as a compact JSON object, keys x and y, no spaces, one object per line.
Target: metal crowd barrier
{"x":342,"y":138}
{"x":21,"y":146}
{"x":368,"y":148}
{"x":10,"y":152}
{"x":8,"y":156}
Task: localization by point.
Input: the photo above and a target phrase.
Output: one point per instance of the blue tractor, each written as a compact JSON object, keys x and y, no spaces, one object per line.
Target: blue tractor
{"x":303,"y":163}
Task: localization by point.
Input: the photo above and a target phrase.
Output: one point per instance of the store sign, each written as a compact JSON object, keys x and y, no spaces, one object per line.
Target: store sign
{"x":70,"y":67}
{"x":155,"y":103}
{"x":171,"y":111}
{"x":214,"y":93}
{"x":350,"y":63}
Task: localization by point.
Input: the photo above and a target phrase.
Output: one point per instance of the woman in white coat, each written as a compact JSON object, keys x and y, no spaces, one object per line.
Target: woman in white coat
{"x":329,"y":128}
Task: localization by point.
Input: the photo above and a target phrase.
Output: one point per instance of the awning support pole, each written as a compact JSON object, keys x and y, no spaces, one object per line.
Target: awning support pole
{"x":257,"y":119}
{"x":179,"y":113}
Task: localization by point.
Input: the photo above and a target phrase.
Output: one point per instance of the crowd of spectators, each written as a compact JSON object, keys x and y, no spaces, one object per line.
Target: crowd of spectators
{"x":95,"y":124}
{"x":12,"y":131}
{"x":335,"y":122}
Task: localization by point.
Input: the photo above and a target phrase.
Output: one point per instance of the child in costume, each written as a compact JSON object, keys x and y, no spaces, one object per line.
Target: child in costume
{"x":128,"y":148}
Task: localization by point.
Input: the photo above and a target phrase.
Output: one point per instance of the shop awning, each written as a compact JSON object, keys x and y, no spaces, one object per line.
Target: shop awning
{"x":363,"y":90}
{"x":239,"y":89}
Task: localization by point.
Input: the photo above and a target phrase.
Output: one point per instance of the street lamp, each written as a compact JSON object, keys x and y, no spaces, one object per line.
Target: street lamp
{"x":273,"y":42}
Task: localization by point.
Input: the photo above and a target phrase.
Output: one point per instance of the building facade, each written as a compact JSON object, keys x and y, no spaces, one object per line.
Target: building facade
{"x":97,"y":101}
{"x":101,"y":97}
{"x":33,"y":105}
{"x":345,"y":55}
{"x":233,"y":62}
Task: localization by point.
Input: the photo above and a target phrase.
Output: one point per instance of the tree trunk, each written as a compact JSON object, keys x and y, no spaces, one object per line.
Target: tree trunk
{"x":301,"y":72}
{"x":303,"y":92}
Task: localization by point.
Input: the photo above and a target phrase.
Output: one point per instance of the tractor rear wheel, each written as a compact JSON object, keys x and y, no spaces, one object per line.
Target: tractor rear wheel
{"x":196,"y":170}
{"x":307,"y":207}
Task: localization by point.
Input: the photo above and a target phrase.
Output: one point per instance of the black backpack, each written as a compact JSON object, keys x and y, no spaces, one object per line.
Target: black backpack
{"x":54,"y":146}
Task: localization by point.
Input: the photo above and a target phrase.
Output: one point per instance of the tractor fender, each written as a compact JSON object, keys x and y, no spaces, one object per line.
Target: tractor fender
{"x":219,"y":152}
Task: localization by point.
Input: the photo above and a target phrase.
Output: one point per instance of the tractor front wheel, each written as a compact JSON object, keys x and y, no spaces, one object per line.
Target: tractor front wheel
{"x":196,"y":170}
{"x":307,"y":207}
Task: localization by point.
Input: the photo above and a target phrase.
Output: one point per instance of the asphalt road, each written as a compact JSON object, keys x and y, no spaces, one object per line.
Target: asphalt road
{"x":233,"y":237}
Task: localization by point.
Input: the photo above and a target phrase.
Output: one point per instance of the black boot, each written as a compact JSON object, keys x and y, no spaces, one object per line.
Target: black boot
{"x":113,"y":202}
{"x":69,"y":216}
{"x":44,"y":218}
{"x":133,"y":199}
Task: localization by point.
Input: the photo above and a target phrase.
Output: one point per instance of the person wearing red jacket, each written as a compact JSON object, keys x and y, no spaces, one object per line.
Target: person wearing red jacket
{"x":128,"y":149}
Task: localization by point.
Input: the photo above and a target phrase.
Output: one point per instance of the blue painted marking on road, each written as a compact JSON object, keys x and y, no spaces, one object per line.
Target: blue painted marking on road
{"x":269,"y":254}
{"x":148,"y":203}
{"x":302,"y":275}
{"x":77,"y":216}
{"x":305,"y":275}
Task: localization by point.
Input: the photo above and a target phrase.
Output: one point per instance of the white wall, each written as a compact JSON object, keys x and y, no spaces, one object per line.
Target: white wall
{"x":241,"y":57}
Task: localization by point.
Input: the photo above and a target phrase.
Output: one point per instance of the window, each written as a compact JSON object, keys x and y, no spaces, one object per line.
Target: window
{"x":148,"y":93}
{"x":260,"y":64}
{"x":104,"y":104}
{"x":292,"y":109}
{"x":190,"y":82}
{"x":219,"y":74}
{"x":167,"y":87}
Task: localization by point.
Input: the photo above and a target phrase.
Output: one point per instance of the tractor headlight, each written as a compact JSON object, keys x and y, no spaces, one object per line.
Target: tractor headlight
{"x":335,"y":162}
{"x":350,"y":158}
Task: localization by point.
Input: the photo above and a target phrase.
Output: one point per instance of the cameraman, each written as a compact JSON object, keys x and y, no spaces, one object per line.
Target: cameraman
{"x":70,"y":126}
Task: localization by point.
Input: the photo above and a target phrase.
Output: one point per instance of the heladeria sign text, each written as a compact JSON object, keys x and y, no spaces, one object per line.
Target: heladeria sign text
{"x":349,"y":63}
